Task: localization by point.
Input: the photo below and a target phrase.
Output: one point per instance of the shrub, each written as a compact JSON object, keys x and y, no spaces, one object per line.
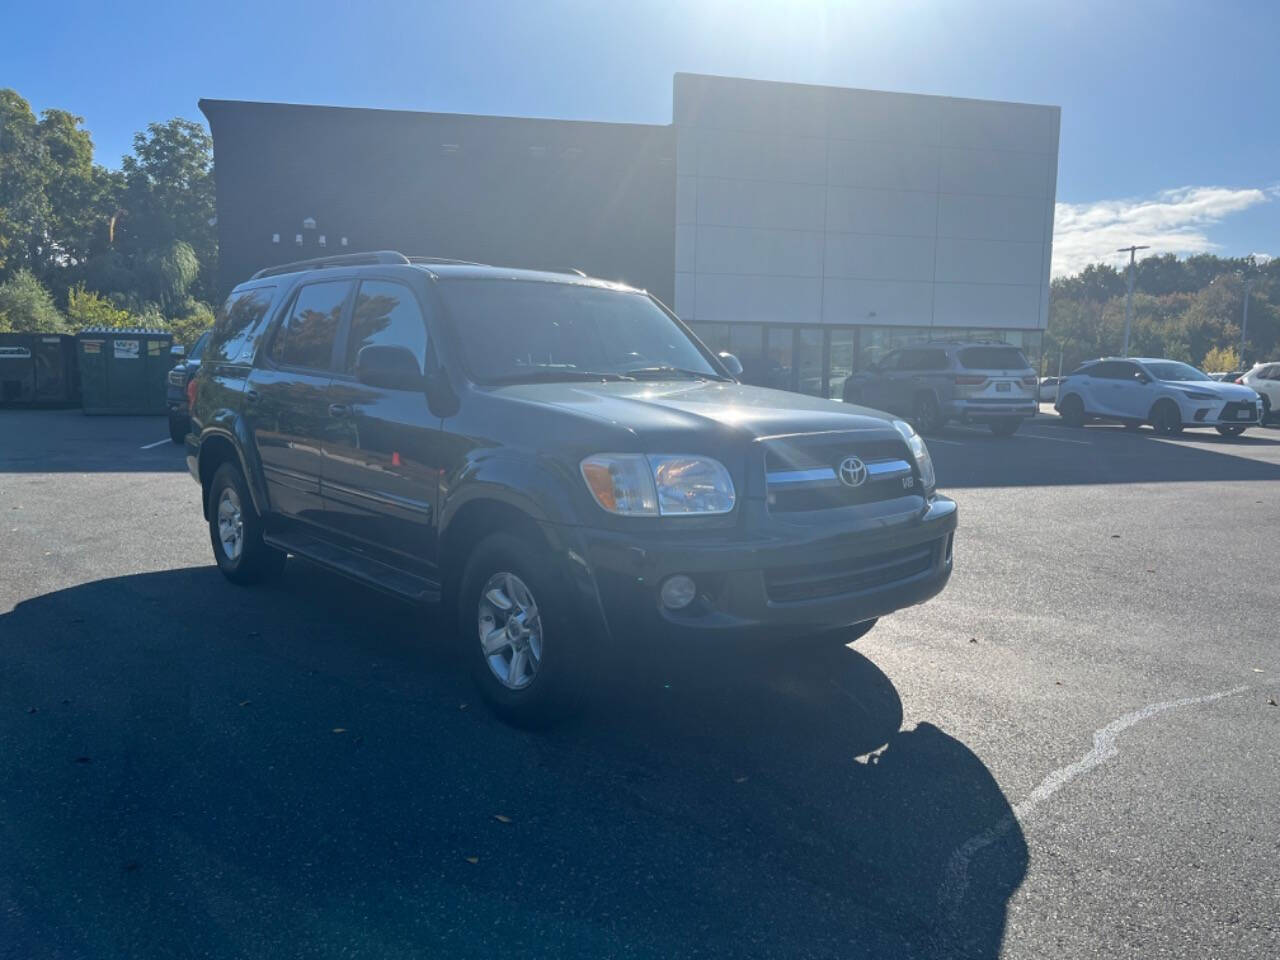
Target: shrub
{"x":26,"y":305}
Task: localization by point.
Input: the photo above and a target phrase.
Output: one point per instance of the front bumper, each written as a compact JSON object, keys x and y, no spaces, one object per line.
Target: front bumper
{"x":1216,"y":413}
{"x":770,"y":587}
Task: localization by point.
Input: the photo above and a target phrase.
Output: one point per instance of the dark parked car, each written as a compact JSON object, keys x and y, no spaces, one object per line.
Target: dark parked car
{"x":176,"y":389}
{"x":556,"y":459}
{"x":941,"y":380}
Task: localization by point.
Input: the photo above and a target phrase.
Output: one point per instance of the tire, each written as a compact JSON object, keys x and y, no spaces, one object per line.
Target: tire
{"x":1005,"y":428}
{"x":178,"y":427}
{"x":1231,"y":430}
{"x":235,"y":531}
{"x":1071,"y":410}
{"x":1165,"y":418}
{"x":927,"y":414}
{"x":549,"y":682}
{"x":1266,"y":409}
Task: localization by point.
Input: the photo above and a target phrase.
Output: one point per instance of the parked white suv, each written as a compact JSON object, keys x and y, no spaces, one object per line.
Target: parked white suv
{"x":1265,"y":379}
{"x":1164,"y":393}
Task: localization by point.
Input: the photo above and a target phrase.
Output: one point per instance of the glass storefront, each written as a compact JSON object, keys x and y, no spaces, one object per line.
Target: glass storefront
{"x":818,"y":360}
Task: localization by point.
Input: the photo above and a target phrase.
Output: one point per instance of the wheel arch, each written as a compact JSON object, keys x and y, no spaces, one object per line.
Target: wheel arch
{"x":217,"y":448}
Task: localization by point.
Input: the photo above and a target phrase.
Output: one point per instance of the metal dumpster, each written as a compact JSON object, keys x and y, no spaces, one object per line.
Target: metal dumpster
{"x":123,"y":371}
{"x":38,"y":369}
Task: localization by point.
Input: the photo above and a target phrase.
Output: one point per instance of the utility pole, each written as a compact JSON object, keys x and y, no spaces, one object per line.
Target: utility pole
{"x":1244,"y":326}
{"x":1128,"y":302}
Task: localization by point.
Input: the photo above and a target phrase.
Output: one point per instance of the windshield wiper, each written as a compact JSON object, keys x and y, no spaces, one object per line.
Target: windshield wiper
{"x":671,"y":373}
{"x":558,"y":376}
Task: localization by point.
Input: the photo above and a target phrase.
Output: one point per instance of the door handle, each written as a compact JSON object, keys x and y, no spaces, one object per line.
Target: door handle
{"x":338,"y":410}
{"x":251,"y":396}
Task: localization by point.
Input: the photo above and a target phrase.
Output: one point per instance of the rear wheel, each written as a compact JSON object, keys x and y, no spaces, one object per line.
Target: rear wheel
{"x":926,"y":413}
{"x":1072,"y":410}
{"x":178,"y":428}
{"x":1266,"y":408}
{"x":1165,"y":418}
{"x":525,"y":652}
{"x":235,"y":530}
{"x":1005,"y":428}
{"x":1231,"y":430}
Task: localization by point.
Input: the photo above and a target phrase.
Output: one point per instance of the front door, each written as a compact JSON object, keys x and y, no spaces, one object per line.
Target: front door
{"x":287,"y":399}
{"x":382,"y":451}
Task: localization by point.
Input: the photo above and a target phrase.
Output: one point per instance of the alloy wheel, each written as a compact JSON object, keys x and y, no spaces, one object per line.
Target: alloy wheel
{"x":230,"y":524}
{"x":510,"y":630}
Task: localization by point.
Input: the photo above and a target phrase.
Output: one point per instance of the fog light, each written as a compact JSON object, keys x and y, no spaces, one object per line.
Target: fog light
{"x":678,"y":592}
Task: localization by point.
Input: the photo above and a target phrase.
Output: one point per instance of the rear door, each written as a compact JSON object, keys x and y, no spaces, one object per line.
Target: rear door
{"x":286,"y":400}
{"x":1096,"y":385}
{"x":877,"y":389}
{"x":383,"y":451}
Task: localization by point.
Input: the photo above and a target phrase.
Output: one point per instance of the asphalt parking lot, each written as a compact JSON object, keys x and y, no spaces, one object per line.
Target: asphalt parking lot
{"x":1071,"y":752}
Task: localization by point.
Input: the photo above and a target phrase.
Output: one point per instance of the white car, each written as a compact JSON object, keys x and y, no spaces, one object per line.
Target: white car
{"x":1167,"y":394}
{"x":1049,"y":389}
{"x":1265,"y":379}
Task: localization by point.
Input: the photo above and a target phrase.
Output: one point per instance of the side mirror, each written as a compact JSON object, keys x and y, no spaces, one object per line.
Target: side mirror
{"x":1143,"y":378}
{"x":177,"y":350}
{"x":395,"y":368}
{"x":731,"y":364}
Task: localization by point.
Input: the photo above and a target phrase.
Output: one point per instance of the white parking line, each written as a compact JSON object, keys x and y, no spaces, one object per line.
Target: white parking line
{"x":1040,"y":436}
{"x":156,"y":444}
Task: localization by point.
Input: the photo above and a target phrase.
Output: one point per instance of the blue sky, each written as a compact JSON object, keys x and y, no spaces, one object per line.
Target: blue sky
{"x":1169,"y":123}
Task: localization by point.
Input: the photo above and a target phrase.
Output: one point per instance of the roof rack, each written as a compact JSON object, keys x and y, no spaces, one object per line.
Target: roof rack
{"x":339,"y":260}
{"x":446,"y":261}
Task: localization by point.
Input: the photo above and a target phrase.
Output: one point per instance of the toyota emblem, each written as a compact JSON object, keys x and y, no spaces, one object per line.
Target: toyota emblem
{"x":853,"y":472}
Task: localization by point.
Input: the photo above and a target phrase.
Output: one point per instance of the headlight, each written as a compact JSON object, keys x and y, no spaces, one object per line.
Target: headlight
{"x":649,"y":485}
{"x":1196,"y":395}
{"x":919,"y":452}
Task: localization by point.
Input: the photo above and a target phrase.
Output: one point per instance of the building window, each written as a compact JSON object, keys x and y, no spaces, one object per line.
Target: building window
{"x":809,"y":372}
{"x":746,"y":342}
{"x":840,"y":353}
{"x":779,"y":369}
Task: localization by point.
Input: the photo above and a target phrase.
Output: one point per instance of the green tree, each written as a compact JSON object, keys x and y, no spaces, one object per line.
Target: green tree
{"x":25,"y":305}
{"x":88,"y":309}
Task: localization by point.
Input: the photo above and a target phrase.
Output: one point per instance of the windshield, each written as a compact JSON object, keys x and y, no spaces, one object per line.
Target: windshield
{"x":514,"y":330}
{"x":1173,"y":370}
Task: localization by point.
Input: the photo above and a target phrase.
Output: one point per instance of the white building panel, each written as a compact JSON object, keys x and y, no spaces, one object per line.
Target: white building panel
{"x":752,"y":203}
{"x":988,"y":125}
{"x":876,"y":302}
{"x":974,"y":217}
{"x":994,"y":172}
{"x":746,"y":251}
{"x":686,"y":243}
{"x":986,"y":305}
{"x":988,"y":261}
{"x":866,"y":257}
{"x":725,"y":298}
{"x":873,"y":163}
{"x":686,"y":199}
{"x":761,"y":156}
{"x":884,"y":117}
{"x":886,"y":212}
{"x":684,"y":306}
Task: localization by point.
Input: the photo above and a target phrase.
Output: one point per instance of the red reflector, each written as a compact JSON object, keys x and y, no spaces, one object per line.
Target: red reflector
{"x":191,"y":394}
{"x":1240,"y":380}
{"x":395,"y":458}
{"x":970,"y":381}
{"x":1029,"y":381}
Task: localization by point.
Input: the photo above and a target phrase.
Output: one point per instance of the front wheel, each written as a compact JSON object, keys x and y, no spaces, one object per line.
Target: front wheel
{"x":178,"y":429}
{"x":1005,"y":428}
{"x":526,"y":654}
{"x":1165,"y":419}
{"x":236,"y":531}
{"x":1266,"y":409}
{"x":1231,"y":430}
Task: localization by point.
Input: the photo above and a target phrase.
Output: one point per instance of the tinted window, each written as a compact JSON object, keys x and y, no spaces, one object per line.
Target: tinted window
{"x":521,"y":329}
{"x":891,"y":362}
{"x":238,"y":323}
{"x":1272,"y":372}
{"x":993,"y":358}
{"x":1107,"y":370}
{"x":1173,"y":370}
{"x":930,"y":359}
{"x":198,"y":349}
{"x":305,"y":339}
{"x":386,"y":314}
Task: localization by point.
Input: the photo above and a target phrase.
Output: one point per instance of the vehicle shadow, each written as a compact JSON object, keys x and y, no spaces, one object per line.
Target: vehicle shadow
{"x":1045,"y":452}
{"x":302,"y":770}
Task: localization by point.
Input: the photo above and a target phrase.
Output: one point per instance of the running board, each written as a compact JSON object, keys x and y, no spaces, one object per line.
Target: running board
{"x":356,"y":566}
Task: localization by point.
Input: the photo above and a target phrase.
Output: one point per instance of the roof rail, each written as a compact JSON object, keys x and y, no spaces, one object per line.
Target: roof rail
{"x":445,"y":260}
{"x":338,"y":260}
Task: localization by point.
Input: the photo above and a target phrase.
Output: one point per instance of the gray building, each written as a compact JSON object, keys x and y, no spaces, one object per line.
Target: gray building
{"x":807,"y":229}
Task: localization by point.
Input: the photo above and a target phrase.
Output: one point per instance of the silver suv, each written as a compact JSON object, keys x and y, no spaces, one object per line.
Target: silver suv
{"x":972,"y":381}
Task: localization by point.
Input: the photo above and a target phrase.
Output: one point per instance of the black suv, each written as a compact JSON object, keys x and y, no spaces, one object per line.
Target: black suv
{"x":555,"y":458}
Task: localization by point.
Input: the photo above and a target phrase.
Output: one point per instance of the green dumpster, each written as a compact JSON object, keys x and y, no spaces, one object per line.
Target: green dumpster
{"x":123,"y":371}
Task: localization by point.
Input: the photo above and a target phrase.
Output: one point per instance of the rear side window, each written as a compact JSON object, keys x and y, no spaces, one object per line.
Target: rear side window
{"x":925,"y":359}
{"x":305,"y":338}
{"x":238,"y":323}
{"x":386,"y":314}
{"x":993,"y":358}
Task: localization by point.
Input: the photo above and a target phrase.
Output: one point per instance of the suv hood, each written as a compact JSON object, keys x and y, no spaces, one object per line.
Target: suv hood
{"x":665,"y":406}
{"x":1225,"y":391}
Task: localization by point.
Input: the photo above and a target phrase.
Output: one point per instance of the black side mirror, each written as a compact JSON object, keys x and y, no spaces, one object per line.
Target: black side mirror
{"x":395,"y":368}
{"x":731,"y":363}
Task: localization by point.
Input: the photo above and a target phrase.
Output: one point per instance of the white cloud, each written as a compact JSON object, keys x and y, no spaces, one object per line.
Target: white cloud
{"x":1174,"y":221}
